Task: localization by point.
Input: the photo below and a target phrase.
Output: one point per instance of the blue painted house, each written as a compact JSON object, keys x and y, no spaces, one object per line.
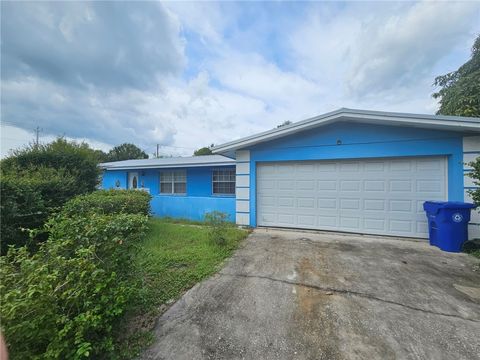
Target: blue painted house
{"x":348,"y":170}
{"x":186,"y":187}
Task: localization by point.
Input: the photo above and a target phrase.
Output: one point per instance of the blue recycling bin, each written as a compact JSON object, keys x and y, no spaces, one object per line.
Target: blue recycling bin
{"x":448,"y":223}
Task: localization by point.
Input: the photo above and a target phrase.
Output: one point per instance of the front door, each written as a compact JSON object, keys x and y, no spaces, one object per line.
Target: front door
{"x":133,"y":180}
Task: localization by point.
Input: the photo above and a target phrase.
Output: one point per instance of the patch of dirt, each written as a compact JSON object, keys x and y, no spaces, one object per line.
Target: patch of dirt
{"x":141,"y":323}
{"x":471,"y":292}
{"x":315,"y":318}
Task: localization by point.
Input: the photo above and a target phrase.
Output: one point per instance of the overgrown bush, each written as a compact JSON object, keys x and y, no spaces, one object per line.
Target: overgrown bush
{"x":21,"y":207}
{"x":37,"y":181}
{"x":218,"y":223}
{"x":75,"y":159}
{"x":109,"y":202}
{"x":63,"y":301}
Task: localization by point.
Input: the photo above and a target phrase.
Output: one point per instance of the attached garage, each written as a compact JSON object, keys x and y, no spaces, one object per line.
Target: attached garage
{"x":378,"y":196}
{"x":355,"y":171}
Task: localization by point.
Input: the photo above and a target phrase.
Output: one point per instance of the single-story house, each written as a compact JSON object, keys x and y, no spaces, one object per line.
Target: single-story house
{"x":348,"y":170}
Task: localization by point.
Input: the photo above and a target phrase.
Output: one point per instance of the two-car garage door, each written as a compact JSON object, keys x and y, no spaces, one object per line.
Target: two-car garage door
{"x":378,"y":196}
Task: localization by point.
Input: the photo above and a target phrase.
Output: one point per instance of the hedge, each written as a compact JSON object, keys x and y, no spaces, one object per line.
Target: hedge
{"x":36,"y":181}
{"x":64,"y":301}
{"x":22,"y":207}
{"x":76,"y":159}
{"x":109,"y":202}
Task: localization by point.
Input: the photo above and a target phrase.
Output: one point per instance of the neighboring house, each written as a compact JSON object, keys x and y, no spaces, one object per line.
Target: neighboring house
{"x":348,"y":170}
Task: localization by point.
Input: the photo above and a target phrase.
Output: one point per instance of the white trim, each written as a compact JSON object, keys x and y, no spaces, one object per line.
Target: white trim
{"x":242,"y":203}
{"x":468,"y":181}
{"x":212,"y":181}
{"x":172,"y":182}
{"x":139,"y":167}
{"x":471,"y":150}
{"x":468,"y":158}
{"x":243,"y":193}
{"x":473,"y":231}
{"x":471,"y":143}
{"x":243,"y":168}
{"x":453,"y":123}
{"x":242,"y":219}
{"x":243,"y":155}
{"x":131,"y":175}
{"x":243,"y":180}
{"x":243,"y":206}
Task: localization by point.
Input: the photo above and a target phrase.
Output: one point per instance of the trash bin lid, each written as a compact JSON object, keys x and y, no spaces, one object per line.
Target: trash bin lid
{"x":435,"y":205}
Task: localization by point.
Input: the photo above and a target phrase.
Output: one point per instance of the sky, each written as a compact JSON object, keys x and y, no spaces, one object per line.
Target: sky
{"x":188,"y":74}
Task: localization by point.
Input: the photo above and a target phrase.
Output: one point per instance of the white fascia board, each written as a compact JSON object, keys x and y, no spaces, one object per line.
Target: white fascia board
{"x":453,"y":123}
{"x":140,"y":167}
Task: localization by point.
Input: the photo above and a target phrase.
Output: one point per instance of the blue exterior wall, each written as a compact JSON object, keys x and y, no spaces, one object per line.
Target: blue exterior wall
{"x":198,"y":200}
{"x":362,"y":141}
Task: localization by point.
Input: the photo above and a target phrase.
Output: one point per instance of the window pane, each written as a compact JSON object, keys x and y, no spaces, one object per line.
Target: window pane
{"x":180,"y":176}
{"x":224,"y":181}
{"x":166,"y":188}
{"x":180,"y":188}
{"x":166,"y":176}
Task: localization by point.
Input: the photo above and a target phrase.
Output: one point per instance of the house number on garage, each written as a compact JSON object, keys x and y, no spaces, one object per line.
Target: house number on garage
{"x":457,"y":217}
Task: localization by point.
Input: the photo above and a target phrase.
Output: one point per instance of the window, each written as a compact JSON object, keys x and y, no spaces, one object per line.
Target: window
{"x":173,"y":182}
{"x":224,"y":182}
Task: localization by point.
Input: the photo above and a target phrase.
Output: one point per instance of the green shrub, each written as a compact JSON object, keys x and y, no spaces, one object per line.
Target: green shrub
{"x":64,"y":300}
{"x":21,"y":208}
{"x":109,"y":202}
{"x":29,"y":197}
{"x":76,"y":159}
{"x":475,"y":175}
{"x":218,"y":223}
{"x":37,"y":181}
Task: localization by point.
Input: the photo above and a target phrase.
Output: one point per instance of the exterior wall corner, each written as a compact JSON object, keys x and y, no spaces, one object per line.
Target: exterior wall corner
{"x":242,"y":191}
{"x":471,"y":150}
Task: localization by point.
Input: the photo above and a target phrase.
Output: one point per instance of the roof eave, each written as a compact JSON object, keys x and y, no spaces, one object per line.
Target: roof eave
{"x":166,"y":166}
{"x":453,"y":123}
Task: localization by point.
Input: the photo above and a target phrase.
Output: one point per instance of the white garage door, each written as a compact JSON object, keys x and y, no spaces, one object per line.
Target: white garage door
{"x":380,"y":196}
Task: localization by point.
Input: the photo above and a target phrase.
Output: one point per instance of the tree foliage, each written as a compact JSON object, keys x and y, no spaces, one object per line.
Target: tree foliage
{"x":77,"y":160}
{"x":125,"y":151}
{"x":63,"y":301}
{"x":475,"y":175}
{"x":203,"y":151}
{"x":460,"y":90}
{"x":37,"y":181}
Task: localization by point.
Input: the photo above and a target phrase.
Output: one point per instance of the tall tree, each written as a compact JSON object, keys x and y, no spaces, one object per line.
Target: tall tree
{"x":203,"y":151}
{"x":459,"y":92}
{"x":126,"y":151}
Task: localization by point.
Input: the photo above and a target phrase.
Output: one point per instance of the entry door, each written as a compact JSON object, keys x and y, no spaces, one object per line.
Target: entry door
{"x":378,"y":196}
{"x":133,"y":180}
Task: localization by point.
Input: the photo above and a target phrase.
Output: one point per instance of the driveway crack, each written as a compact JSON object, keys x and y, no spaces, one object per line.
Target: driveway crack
{"x":351,"y":293}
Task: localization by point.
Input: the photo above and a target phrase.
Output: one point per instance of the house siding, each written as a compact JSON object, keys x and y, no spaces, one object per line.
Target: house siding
{"x":198,"y":200}
{"x":359,"y":141}
{"x":471,"y":150}
{"x":242,"y":214}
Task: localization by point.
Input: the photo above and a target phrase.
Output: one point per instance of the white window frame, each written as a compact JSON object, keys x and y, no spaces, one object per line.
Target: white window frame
{"x":172,"y":181}
{"x":223,"y":181}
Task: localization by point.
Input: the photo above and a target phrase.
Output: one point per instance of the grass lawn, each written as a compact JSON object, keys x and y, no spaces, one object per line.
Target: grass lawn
{"x":174,"y":257}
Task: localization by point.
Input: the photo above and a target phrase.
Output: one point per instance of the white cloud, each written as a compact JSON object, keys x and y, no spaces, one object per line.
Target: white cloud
{"x":401,"y":49}
{"x":242,"y":75}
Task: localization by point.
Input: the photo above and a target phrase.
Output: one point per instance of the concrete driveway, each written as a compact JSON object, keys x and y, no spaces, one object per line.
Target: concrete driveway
{"x":301,"y":295}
